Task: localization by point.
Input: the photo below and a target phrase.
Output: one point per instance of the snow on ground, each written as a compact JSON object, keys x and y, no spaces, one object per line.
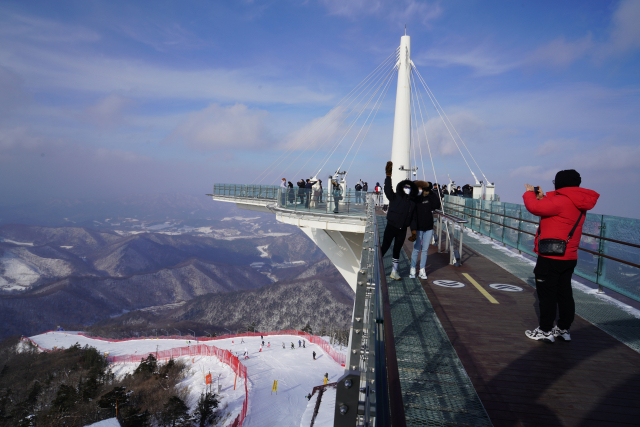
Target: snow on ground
{"x":111,"y":422}
{"x":198,"y":367}
{"x":238,"y":218}
{"x":66,"y":247}
{"x":326,"y":411}
{"x":16,"y":243}
{"x":296,"y":371}
{"x":263,"y":251}
{"x":20,"y":274}
{"x":307,"y":416}
{"x":575,"y":284}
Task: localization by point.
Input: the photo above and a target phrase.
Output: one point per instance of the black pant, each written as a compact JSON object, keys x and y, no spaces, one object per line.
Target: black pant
{"x":395,"y":234}
{"x":553,"y":285}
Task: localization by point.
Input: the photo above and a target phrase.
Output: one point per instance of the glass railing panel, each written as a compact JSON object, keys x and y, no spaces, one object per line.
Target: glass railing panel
{"x":588,"y":263}
{"x":475,"y":220}
{"x":618,"y":276}
{"x":485,"y":225}
{"x":527,"y":241}
{"x":497,"y":212}
{"x":510,"y":236}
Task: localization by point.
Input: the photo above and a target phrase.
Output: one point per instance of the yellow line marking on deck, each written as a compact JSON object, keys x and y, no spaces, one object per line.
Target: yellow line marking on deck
{"x":481,"y":289}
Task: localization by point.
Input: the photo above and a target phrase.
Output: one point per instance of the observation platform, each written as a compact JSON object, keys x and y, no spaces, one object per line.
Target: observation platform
{"x":451,"y":350}
{"x":463,"y":359}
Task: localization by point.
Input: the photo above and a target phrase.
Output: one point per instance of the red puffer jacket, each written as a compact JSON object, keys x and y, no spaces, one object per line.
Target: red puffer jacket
{"x":559,"y":210}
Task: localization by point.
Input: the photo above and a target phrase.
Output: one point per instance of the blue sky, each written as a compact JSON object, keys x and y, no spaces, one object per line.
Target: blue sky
{"x":113,"y":98}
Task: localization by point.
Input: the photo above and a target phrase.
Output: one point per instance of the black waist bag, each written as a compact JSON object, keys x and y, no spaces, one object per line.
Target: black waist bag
{"x":556,"y":247}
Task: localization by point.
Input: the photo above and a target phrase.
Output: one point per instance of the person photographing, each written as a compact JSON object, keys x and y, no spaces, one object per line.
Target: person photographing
{"x":562,"y":214}
{"x":399,"y":216}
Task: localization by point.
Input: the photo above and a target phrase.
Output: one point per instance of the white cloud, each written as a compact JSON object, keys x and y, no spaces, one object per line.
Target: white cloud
{"x":398,"y":12}
{"x":554,"y":146}
{"x":481,"y":59}
{"x":467,"y":125}
{"x":108,"y":111}
{"x":625,"y":34}
{"x":224,"y":128}
{"x":21,"y":27}
{"x":559,"y":52}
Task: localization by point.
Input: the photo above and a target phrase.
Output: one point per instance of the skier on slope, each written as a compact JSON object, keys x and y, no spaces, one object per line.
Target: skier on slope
{"x":293,"y":347}
{"x":262,"y":342}
{"x":260,"y":351}
{"x":269,"y":344}
{"x":299,"y":343}
{"x":314,"y":355}
{"x":303,"y":344}
{"x":283,"y":345}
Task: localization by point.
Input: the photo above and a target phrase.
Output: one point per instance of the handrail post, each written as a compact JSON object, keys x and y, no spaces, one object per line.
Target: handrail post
{"x":600,"y":265}
{"x":439,"y":233}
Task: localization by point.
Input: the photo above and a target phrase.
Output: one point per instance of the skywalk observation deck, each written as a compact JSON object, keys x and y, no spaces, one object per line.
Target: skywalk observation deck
{"x":451,"y":350}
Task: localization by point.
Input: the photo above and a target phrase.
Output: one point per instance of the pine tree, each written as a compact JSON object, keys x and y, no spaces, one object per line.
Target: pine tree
{"x":175,"y":413}
{"x":205,"y":410}
{"x":307,"y":328}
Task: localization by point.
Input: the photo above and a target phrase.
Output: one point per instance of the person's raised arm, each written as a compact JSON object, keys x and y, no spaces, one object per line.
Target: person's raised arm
{"x":388,"y":188}
{"x":537,"y":204}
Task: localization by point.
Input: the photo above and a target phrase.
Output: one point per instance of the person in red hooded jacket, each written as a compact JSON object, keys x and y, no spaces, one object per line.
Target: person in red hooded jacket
{"x":559,"y":211}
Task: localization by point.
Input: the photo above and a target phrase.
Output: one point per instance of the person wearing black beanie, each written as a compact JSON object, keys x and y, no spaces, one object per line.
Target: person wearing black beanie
{"x":562,"y":213}
{"x":567,"y":178}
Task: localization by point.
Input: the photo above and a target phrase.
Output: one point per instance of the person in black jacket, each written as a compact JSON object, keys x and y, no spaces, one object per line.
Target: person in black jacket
{"x":399,"y":216}
{"x":422,"y":226}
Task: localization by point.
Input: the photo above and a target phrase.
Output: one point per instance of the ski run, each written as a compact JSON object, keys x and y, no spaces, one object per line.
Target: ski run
{"x":294,"y":369}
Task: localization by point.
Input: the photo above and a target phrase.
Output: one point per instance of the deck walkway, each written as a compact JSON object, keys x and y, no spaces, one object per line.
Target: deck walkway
{"x":594,"y":380}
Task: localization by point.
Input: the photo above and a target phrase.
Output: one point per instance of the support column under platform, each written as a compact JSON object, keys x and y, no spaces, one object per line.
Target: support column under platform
{"x":593,"y":380}
{"x":343,"y":249}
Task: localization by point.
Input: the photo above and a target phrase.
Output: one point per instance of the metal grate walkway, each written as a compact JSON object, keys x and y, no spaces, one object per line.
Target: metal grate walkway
{"x":436,"y":390}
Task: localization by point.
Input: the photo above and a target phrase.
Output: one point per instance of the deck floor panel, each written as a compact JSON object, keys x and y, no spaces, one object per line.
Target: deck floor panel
{"x":594,"y":380}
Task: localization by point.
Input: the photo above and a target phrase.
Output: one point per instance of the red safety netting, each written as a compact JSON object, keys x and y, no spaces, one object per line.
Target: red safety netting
{"x":225,"y":356}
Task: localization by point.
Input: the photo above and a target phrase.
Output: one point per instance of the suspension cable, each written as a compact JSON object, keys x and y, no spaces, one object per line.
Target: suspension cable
{"x":372,"y":120}
{"x":350,"y":127}
{"x":370,"y":85}
{"x":445,"y":123}
{"x":388,"y":78}
{"x":454,"y":129}
{"x":294,"y":145}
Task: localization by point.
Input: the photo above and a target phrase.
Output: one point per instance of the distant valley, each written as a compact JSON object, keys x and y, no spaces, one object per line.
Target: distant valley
{"x":220,"y":271}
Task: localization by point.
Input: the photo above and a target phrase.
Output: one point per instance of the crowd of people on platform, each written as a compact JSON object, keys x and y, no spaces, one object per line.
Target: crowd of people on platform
{"x":562,"y":214}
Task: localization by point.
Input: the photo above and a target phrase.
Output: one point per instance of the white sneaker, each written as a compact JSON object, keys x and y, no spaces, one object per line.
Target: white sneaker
{"x":412,"y":273}
{"x":395,"y":276}
{"x":423,"y":274}
{"x":562,"y":334}
{"x":539,"y":335}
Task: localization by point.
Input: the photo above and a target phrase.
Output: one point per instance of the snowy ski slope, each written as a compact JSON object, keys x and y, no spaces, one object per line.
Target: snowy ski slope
{"x":295,"y":370}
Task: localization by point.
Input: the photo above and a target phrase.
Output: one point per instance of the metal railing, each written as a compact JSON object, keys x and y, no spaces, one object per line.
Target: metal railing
{"x":362,"y":397}
{"x":448,"y":220}
{"x":265,"y":192}
{"x":350,"y":202}
{"x":611,"y":245}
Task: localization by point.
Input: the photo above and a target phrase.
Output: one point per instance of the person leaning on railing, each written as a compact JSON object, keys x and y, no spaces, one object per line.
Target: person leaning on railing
{"x":400,"y":214}
{"x":562,"y":213}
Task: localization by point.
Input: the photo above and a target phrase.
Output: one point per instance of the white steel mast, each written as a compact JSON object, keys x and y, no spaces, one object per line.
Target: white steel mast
{"x":401,"y":146}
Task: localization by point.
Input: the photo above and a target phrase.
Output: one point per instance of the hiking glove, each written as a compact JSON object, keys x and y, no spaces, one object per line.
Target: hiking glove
{"x":414,"y":236}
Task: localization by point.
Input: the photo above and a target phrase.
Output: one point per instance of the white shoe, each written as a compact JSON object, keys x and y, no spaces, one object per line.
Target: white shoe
{"x":395,"y":276}
{"x":412,"y":273}
{"x":423,"y":274}
{"x":562,"y":334}
{"x":539,"y":335}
